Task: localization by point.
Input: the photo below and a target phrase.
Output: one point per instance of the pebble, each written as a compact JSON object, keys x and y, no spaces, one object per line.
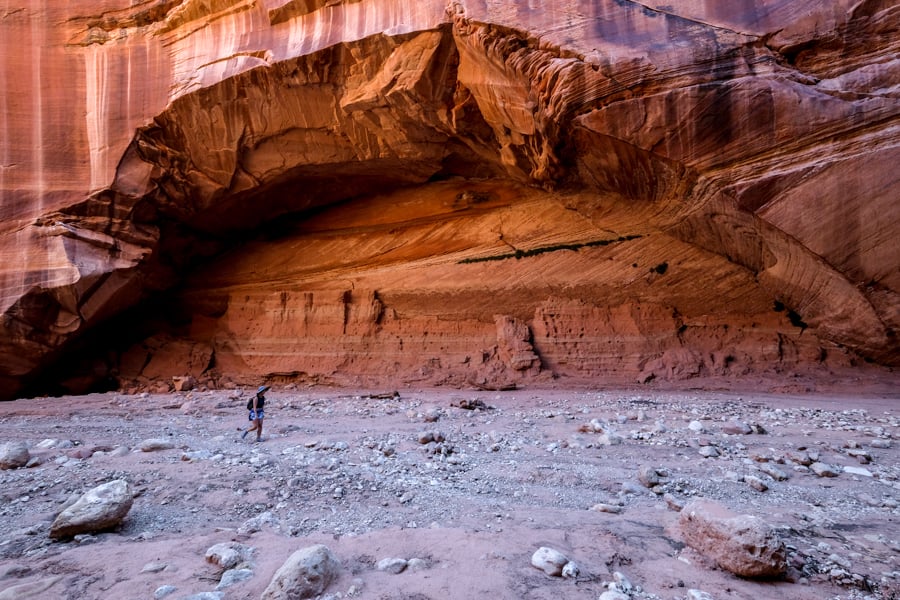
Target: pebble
{"x":607,"y":508}
{"x":709,"y":452}
{"x":163,"y":591}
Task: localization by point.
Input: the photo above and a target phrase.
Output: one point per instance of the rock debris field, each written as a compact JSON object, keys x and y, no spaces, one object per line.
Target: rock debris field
{"x":448,"y":494}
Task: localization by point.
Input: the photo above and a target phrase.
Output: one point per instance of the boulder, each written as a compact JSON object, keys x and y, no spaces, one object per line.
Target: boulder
{"x":98,"y":509}
{"x":741,"y":544}
{"x":549,"y":561}
{"x":13,"y":455}
{"x":305,"y":574}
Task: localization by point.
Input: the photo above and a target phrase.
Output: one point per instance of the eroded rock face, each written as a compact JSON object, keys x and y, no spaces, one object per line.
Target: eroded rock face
{"x":608,"y":190}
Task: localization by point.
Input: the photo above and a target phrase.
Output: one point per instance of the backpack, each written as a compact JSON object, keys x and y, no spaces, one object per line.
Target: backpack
{"x":250,"y":404}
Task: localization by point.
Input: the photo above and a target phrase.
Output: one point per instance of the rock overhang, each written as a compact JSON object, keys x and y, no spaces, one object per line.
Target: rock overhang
{"x":679,"y":114}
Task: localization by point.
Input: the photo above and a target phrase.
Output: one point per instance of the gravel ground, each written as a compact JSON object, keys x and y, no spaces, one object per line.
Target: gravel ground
{"x":471,"y":483}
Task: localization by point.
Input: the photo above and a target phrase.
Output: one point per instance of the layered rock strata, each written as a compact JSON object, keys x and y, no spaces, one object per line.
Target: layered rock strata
{"x":459,"y":193}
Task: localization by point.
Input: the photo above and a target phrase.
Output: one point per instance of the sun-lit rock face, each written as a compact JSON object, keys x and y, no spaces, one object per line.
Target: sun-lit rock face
{"x":467,"y":193}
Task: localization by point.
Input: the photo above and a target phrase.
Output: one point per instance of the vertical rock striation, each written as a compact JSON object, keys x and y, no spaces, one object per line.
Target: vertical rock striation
{"x":611,"y":189}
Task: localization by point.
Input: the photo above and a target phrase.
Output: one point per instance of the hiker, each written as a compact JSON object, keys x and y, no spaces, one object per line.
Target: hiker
{"x":256,"y":406}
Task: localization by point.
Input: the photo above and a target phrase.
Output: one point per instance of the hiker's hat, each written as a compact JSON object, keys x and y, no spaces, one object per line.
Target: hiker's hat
{"x":262,"y":389}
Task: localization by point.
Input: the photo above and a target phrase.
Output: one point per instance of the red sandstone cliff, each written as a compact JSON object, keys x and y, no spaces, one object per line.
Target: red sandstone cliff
{"x":466,"y":193}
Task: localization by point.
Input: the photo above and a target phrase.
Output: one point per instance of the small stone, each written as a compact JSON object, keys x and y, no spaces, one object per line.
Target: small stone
{"x":163,"y":591}
{"x":698,"y":595}
{"x":673,"y":503}
{"x":610,"y":438}
{"x":607,"y":508}
{"x":709,"y":452}
{"x":648,"y":476}
{"x":229,"y":554}
{"x":570,"y":570}
{"x":155,"y":444}
{"x":735,"y":427}
{"x":857,"y":471}
{"x":695,"y":426}
{"x":623,"y":584}
{"x":233,"y":576}
{"x":840,"y":561}
{"x":614,"y":595}
{"x":880,"y":443}
{"x":416,"y":564}
{"x":756,"y":483}
{"x":773,"y":472}
{"x":153,"y":567}
{"x":392,"y":565}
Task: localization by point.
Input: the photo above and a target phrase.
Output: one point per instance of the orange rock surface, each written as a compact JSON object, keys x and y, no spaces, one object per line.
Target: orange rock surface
{"x":461,"y":193}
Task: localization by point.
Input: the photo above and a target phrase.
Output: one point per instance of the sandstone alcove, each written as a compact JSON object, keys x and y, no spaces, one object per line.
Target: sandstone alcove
{"x":453,"y":194}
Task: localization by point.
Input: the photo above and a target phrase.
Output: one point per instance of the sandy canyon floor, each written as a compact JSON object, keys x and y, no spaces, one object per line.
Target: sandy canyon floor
{"x":469,"y":483}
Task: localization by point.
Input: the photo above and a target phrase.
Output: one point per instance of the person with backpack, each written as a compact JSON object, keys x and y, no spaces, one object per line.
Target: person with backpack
{"x":256,"y":406}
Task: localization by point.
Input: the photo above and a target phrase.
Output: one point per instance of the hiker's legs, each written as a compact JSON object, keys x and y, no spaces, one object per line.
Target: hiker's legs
{"x":259,"y":423}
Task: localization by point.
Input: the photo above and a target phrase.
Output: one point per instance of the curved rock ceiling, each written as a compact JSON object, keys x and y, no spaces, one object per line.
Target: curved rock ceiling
{"x":462,"y":193}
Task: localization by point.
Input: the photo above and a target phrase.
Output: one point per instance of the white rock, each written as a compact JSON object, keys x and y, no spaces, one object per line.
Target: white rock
{"x":392,"y":565}
{"x":97,"y":509}
{"x":857,"y":471}
{"x":709,"y":452}
{"x":163,"y":591}
{"x":614,"y":595}
{"x":570,"y":570}
{"x":233,"y":576}
{"x":305,"y":574}
{"x":623,"y":583}
{"x":229,"y":554}
{"x":549,"y":561}
{"x":607,"y":508}
{"x":13,"y":455}
{"x":695,"y":426}
{"x":155,"y":444}
{"x":698,"y":595}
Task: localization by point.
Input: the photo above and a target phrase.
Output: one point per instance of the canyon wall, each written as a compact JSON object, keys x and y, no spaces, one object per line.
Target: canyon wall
{"x":461,"y":193}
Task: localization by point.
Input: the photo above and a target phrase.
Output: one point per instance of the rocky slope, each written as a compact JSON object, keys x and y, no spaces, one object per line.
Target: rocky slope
{"x":460,"y":193}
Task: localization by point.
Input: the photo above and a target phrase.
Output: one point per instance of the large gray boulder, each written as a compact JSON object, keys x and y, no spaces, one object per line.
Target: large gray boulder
{"x":305,"y":574}
{"x":13,"y":455}
{"x":742,"y":544}
{"x":98,"y":509}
